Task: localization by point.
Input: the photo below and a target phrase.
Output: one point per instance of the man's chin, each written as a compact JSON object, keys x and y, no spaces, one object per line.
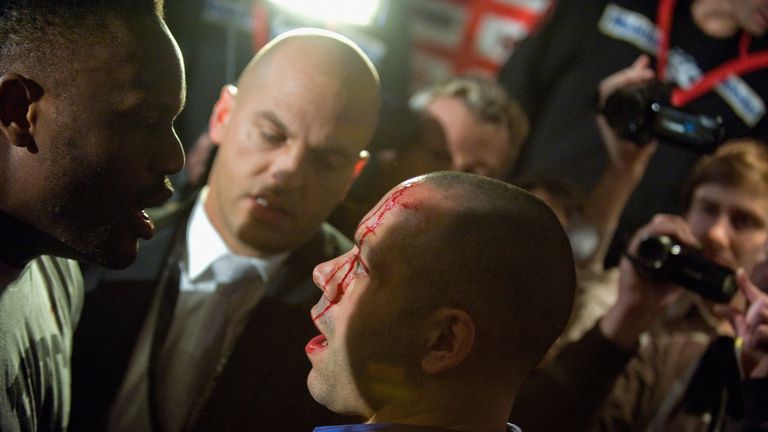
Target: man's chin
{"x":315,"y":389}
{"x":335,"y":398}
{"x":267,"y":242}
{"x":115,"y":255}
{"x":120,"y":258}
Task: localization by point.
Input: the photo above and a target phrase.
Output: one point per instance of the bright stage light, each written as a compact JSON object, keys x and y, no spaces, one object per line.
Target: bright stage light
{"x":359,"y":12}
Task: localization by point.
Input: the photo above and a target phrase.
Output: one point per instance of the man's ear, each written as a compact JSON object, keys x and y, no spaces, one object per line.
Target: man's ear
{"x":18,"y":109}
{"x":360,"y":164}
{"x":451,"y":337}
{"x":217,"y":125}
{"x":362,"y":161}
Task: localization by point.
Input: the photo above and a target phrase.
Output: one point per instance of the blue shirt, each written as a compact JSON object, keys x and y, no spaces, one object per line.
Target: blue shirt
{"x":393,"y":427}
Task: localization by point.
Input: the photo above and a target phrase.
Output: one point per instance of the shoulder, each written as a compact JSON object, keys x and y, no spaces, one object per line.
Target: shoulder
{"x":61,"y":276}
{"x":63,"y":280}
{"x":293,"y":283}
{"x":62,"y":269}
{"x":326,"y":244}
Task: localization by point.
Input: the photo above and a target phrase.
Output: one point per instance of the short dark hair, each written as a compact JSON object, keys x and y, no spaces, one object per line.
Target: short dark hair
{"x":34,"y":34}
{"x":739,"y":163}
{"x":504,"y":258}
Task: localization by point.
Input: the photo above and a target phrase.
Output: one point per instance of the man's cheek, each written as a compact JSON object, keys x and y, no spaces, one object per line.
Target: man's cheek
{"x":321,"y":307}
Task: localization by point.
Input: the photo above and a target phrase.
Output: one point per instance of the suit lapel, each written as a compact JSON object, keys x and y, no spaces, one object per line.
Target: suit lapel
{"x":264,"y":378}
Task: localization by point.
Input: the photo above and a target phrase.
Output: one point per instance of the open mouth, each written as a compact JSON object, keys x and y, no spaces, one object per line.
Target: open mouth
{"x":269,"y":201}
{"x":144,"y":224}
{"x":263,"y":202}
{"x":317,"y":343}
{"x":269,"y":209}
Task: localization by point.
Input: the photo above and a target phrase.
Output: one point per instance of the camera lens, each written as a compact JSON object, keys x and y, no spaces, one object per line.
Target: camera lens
{"x":660,"y":257}
{"x":626,"y":112}
{"x":653,"y":253}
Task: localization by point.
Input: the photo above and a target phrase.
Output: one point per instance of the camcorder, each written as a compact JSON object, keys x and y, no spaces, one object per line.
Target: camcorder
{"x":662,"y":258}
{"x":643,"y":112}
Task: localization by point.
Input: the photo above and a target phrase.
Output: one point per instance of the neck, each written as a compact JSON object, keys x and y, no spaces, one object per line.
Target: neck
{"x":20,"y":242}
{"x":715,"y":18}
{"x":459,"y":410}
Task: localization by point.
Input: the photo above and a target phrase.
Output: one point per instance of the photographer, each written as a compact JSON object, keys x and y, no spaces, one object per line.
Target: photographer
{"x":663,"y":358}
{"x":593,"y":226}
{"x":555,"y":71}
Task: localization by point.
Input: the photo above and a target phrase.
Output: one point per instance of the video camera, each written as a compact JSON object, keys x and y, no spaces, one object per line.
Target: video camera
{"x":641,"y":113}
{"x":661,"y":258}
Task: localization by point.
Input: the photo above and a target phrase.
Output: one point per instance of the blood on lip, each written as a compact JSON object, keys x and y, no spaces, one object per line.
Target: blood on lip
{"x":378,"y":214}
{"x":316,"y":344}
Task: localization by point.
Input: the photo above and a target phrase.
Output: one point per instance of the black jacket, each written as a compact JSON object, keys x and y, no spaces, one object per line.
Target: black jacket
{"x":263,"y":385}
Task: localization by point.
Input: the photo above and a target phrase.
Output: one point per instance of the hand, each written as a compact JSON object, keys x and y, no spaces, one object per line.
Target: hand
{"x":639,"y":72}
{"x":759,"y":275}
{"x":625,"y":155}
{"x":642,"y":300}
{"x":751,"y":326}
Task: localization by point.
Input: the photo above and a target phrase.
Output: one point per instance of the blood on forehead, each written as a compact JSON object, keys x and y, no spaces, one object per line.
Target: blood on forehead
{"x":394,"y":201}
{"x":369,"y":225}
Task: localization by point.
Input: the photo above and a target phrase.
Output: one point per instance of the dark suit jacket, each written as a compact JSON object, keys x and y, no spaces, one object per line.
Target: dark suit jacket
{"x":263,"y":386}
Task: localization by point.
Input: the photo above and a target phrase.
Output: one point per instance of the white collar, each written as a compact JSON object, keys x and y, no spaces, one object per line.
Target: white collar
{"x":205,"y":245}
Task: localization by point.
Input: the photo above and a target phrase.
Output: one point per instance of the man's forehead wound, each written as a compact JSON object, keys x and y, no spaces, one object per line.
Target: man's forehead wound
{"x":397,"y":199}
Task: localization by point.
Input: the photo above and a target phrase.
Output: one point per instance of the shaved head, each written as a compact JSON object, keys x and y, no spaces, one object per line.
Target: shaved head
{"x":455,"y":280}
{"x":289,"y":137}
{"x":500,"y":253}
{"x":327,"y":54}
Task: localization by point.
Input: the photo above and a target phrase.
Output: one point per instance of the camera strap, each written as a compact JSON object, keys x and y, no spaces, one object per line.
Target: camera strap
{"x":745,"y":63}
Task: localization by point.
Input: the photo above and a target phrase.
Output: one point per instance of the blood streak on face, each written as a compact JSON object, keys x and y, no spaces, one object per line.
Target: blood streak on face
{"x":368,"y":226}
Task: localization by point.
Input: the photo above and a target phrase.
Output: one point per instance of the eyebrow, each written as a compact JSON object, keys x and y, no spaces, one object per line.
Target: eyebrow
{"x":272,"y":117}
{"x":337,"y":150}
{"x":743,"y":210}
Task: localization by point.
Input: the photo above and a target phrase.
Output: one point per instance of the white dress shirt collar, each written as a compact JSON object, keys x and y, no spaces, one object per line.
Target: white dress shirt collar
{"x":205,"y":246}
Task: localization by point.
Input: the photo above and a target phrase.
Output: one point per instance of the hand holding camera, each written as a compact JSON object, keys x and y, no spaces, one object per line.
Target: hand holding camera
{"x":662,"y":258}
{"x":642,"y":112}
{"x":625,"y":155}
{"x":642,"y":300}
{"x":637,"y":107}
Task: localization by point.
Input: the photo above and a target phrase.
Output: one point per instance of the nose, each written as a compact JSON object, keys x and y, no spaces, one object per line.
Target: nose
{"x":718,"y":233}
{"x":458,"y":163}
{"x":287,"y":168}
{"x":169,"y":157}
{"x":329,"y":276}
{"x":468,"y":165}
{"x":322,"y":276}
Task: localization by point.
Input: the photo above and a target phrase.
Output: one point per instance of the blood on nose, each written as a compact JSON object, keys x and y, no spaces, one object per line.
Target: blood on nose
{"x":334,"y":286}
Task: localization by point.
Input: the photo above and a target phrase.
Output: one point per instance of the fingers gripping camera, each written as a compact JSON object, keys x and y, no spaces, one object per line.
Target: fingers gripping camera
{"x":662,"y":258}
{"x":641,"y":113}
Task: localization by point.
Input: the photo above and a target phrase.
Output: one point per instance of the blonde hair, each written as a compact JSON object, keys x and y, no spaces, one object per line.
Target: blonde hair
{"x":485,"y":98}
